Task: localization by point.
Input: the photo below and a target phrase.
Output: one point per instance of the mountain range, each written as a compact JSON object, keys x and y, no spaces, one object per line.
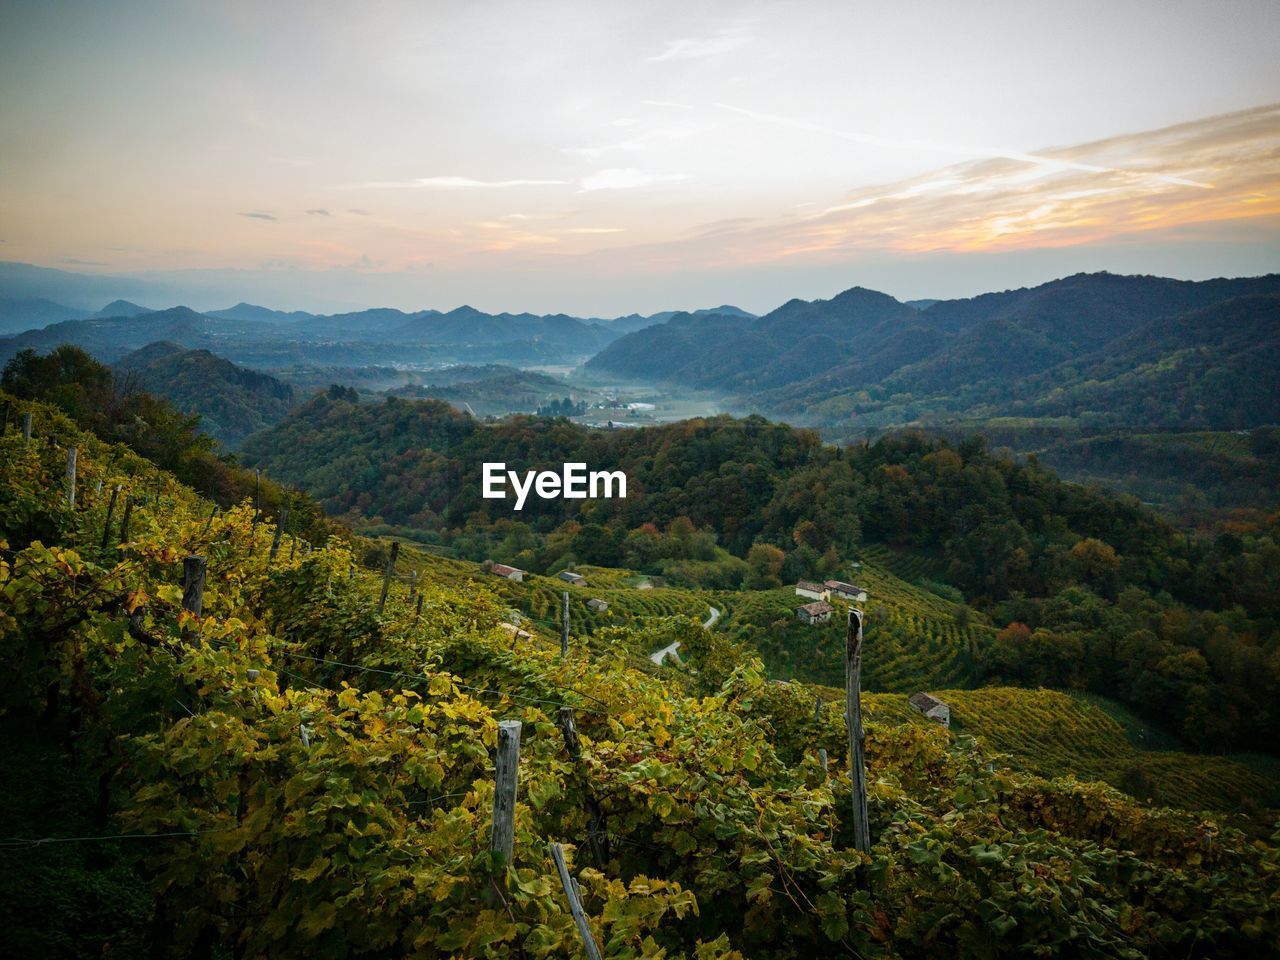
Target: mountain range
{"x":263,"y":337}
{"x":1092,"y":345}
{"x":1067,"y":370}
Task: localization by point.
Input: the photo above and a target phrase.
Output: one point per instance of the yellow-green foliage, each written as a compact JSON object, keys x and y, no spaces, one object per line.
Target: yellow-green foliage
{"x":1053,"y":734}
{"x":913,"y":638}
{"x":310,"y":777}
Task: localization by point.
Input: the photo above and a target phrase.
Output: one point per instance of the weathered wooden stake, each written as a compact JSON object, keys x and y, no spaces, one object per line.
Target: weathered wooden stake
{"x":564,"y":624}
{"x":413,"y":583}
{"x":351,"y":572}
{"x":417,"y":613}
{"x":817,"y":709}
{"x":208,"y":523}
{"x":193,"y":570}
{"x":275,"y":540}
{"x":26,"y":428}
{"x":853,"y":720}
{"x":71,"y":477}
{"x":257,"y":490}
{"x":589,"y":944}
{"x":386,"y":574}
{"x":597,"y":831}
{"x":111,"y":508}
{"x":293,"y":545}
{"x":97,"y":487}
{"x":822,"y":759}
{"x":124,"y":524}
{"x":505,"y":784}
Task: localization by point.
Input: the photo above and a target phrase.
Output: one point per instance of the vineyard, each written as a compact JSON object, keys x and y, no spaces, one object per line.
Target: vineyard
{"x":537,"y":599}
{"x":259,"y":754}
{"x":913,"y":643}
{"x":914,"y":638}
{"x":1053,"y":734}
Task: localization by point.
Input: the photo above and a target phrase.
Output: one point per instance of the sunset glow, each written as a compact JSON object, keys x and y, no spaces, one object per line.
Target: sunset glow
{"x":566,"y":157}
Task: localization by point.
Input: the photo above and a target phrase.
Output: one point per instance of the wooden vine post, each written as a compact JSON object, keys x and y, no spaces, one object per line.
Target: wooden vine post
{"x":275,"y":541}
{"x":589,"y":944}
{"x":564,"y":624}
{"x":505,"y":783}
{"x":257,"y":491}
{"x":111,"y":508}
{"x":597,"y":832}
{"x":128,"y":513}
{"x":26,"y":428}
{"x":71,"y":477}
{"x":193,"y":571}
{"x":387,"y":574}
{"x":853,"y":719}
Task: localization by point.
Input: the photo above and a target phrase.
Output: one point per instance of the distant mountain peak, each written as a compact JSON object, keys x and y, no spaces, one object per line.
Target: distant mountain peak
{"x":123,"y":308}
{"x":726,"y":310}
{"x":862,"y":294}
{"x":254,"y":313}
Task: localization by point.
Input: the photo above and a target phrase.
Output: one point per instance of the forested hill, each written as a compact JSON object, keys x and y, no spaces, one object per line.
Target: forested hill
{"x":418,"y":463}
{"x":1089,"y":589}
{"x":232,"y":401}
{"x":1092,"y":343}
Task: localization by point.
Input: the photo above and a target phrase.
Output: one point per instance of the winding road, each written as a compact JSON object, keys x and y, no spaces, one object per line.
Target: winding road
{"x":658,"y":656}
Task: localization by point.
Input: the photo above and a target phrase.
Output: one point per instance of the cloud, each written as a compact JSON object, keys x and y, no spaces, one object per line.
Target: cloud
{"x":459,"y":183}
{"x":80,"y":263}
{"x":318,"y":212}
{"x":696,"y":48}
{"x":595,"y":230}
{"x":258,"y":215}
{"x":358,"y":212}
{"x":1044,"y":160}
{"x":1220,"y":171}
{"x":614,"y":178}
{"x":627,"y":178}
{"x":653,"y":138}
{"x":466,"y":183}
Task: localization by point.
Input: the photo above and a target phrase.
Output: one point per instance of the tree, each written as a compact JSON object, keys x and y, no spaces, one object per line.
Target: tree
{"x":594,"y":544}
{"x":1096,"y":564}
{"x":766,"y":563}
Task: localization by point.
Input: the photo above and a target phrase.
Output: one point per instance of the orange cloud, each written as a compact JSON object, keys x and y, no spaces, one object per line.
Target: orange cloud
{"x":1218,"y":169}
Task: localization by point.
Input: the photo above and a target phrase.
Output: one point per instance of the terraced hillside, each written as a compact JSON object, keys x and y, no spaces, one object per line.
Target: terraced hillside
{"x":537,"y":598}
{"x":912,"y":643}
{"x":914,"y":638}
{"x":1054,"y":734}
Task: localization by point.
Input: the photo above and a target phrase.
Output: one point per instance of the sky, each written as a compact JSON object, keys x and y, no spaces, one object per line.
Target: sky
{"x":602,"y":158}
